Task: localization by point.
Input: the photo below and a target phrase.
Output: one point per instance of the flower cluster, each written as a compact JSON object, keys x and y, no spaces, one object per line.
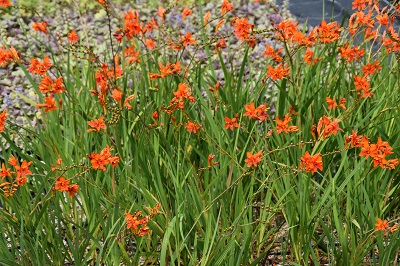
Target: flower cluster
{"x":139,"y":226}
{"x":63,"y":185}
{"x":311,"y":163}
{"x":100,"y":160}
{"x":11,"y":180}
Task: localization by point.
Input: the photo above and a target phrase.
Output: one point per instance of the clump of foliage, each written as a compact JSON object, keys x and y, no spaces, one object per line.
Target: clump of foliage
{"x":145,"y":154}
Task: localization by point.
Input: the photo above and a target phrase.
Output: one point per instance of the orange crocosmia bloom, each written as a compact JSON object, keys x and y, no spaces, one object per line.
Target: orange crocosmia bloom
{"x":326,"y":32}
{"x":250,"y":111}
{"x":258,"y":113}
{"x":127,"y":99}
{"x":283,"y":125}
{"x":381,"y":225}
{"x":5,"y":56}
{"x":183,"y":92}
{"x":220,"y":44}
{"x":187,"y":39}
{"x":40,"y":26}
{"x":231,"y":123}
{"x":13,"y":161}
{"x":132,"y":25}
{"x":368,"y":150}
{"x":161,"y":13}
{"x":361,"y":83}
{"x":5,"y":3}
{"x":23,"y":169}
{"x":5,"y":172}
{"x":48,"y":85}
{"x":72,"y":190}
{"x":330,"y":127}
{"x":253,"y":160}
{"x":36,"y":67}
{"x":311,"y":163}
{"x":220,"y":23}
{"x":73,"y":37}
{"x":308,"y":57}
{"x":354,"y":140}
{"x":192,"y":127}
{"x":370,"y":69}
{"x":206,"y":17}
{"x":131,"y":55}
{"x":242,"y":28}
{"x":342,"y":101}
{"x":274,"y":55}
{"x":285,"y":30}
{"x":278,"y":73}
{"x":61,"y":184}
{"x":3,"y":118}
{"x":100,"y":160}
{"x":209,"y":160}
{"x":150,"y":44}
{"x":117,"y":95}
{"x":186,"y":12}
{"x":331,"y":103}
{"x":50,"y":104}
{"x":96,"y":124}
{"x":351,"y":54}
{"x":360,"y":4}
{"x":226,"y":7}
{"x":137,"y":226}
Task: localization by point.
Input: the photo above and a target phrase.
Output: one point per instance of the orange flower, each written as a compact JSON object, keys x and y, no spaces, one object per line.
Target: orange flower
{"x":354,"y":140}
{"x":242,"y":28}
{"x":370,"y":69}
{"x":308,"y":57}
{"x":277,"y":73}
{"x":73,"y":37}
{"x":161,"y":13}
{"x":50,"y":104}
{"x":150,"y":44}
{"x":351,"y":54}
{"x":331,"y":103}
{"x":61,"y":184}
{"x":311,"y":163}
{"x":96,"y":124}
{"x":100,"y":160}
{"x":209,"y":160}
{"x":381,"y":225}
{"x":48,"y":85}
{"x":137,"y":226}
{"x":23,"y":169}
{"x":39,"y":68}
{"x":231,"y":123}
{"x":40,"y":26}
{"x":226,"y":7}
{"x":3,"y":117}
{"x":258,"y":113}
{"x":206,"y":17}
{"x":274,"y":55}
{"x":330,"y":127}
{"x":192,"y":127}
{"x":283,"y":125}
{"x":5,"y":3}
{"x":131,"y":55}
{"x":132,"y":24}
{"x":220,"y":23}
{"x":253,"y":160}
{"x":186,"y":12}
{"x":5,"y":172}
{"x":187,"y":39}
{"x":72,"y":190}
{"x":326,"y":32}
